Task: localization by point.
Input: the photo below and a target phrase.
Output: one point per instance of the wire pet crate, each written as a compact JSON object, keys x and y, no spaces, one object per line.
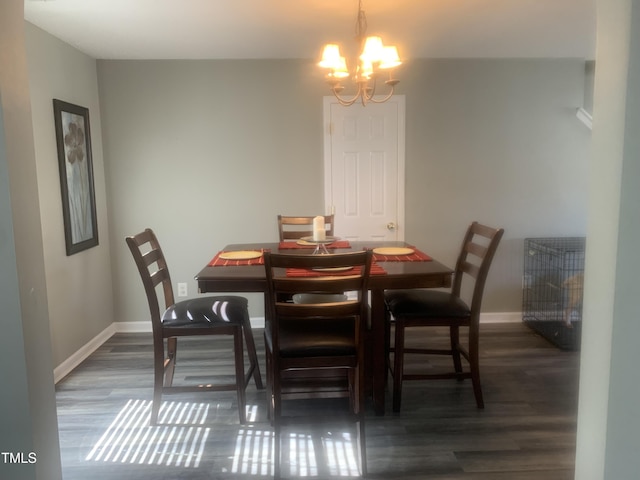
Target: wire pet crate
{"x":553,"y":287}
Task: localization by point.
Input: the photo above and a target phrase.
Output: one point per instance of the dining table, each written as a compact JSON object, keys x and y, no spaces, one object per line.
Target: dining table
{"x":227,"y":272}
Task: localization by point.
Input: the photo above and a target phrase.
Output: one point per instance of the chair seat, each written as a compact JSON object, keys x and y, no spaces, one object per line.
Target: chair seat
{"x":425,"y":304}
{"x":211,"y":311}
{"x":299,"y":338}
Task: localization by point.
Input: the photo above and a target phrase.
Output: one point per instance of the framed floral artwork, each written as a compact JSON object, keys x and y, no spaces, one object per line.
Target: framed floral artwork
{"x":73,"y":138}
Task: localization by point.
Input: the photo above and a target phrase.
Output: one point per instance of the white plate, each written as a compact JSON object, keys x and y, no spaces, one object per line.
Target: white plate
{"x":331,"y":269}
{"x":304,"y":242}
{"x":241,"y":255}
{"x":393,"y":251}
{"x":318,"y":298}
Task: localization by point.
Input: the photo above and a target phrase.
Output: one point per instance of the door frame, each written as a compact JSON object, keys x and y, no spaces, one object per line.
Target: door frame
{"x":399,"y":100}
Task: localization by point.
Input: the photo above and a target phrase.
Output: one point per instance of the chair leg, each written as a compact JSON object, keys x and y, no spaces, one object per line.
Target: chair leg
{"x":474,"y":366}
{"x":276,"y":450}
{"x":251,"y":350}
{"x":362,"y":446}
{"x":269,"y":389}
{"x":352,"y":385}
{"x":158,"y":379}
{"x":269,"y":402}
{"x":477,"y":389}
{"x":387,"y":345}
{"x":172,"y":352}
{"x":277,"y":421}
{"x":454,"y":335}
{"x":398,"y":364}
{"x":155,"y":405}
{"x":361,"y":443}
{"x":240,"y":381}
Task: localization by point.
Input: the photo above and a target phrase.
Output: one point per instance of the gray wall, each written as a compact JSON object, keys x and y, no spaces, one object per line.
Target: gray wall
{"x":206,"y":154}
{"x":209,"y":152}
{"x":495,"y":141}
{"x":80,"y":300}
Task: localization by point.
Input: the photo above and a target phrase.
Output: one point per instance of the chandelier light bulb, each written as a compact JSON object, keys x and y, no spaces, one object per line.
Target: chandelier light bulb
{"x":332,"y":60}
{"x":372,"y":51}
{"x":330,"y":56}
{"x":341,"y":71}
{"x":390,"y":58}
{"x":366,"y":70}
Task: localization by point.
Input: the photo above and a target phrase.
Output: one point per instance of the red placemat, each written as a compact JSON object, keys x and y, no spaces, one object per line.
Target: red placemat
{"x":416,"y":256}
{"x":294,"y":244}
{"x":304,"y":272}
{"x":221,"y":262}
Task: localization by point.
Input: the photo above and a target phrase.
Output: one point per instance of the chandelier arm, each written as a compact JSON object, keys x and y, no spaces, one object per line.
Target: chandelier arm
{"x":361,"y":23}
{"x":370,"y":91}
{"x":382,"y":100}
{"x":350,"y":101}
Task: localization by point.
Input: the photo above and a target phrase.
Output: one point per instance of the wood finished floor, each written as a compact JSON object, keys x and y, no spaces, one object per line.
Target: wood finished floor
{"x":527,"y":430}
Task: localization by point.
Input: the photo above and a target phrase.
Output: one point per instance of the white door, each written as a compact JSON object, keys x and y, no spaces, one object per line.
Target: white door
{"x":364,"y":168}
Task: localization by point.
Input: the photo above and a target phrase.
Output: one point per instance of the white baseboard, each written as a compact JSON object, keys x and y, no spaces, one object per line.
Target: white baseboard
{"x":501,"y":317}
{"x":78,"y":357}
{"x":132,"y":327}
{"x":256,"y":322}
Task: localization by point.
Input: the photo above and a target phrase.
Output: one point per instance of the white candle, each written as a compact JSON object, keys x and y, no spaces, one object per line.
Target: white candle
{"x":319,"y":233}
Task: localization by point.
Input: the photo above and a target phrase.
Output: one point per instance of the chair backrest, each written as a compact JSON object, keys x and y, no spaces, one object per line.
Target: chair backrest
{"x":153,"y":270}
{"x":289,"y":274}
{"x":477,"y":252}
{"x":294,"y":228}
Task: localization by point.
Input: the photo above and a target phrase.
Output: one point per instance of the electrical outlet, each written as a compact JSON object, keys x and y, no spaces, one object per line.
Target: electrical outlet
{"x":182,"y":289}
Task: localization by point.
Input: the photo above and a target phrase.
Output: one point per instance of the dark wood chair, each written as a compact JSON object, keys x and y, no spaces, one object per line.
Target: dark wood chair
{"x":294,"y":228}
{"x":204,"y":315}
{"x":432,"y":308}
{"x":316,"y":350}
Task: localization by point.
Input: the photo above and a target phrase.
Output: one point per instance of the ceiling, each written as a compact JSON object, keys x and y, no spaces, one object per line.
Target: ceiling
{"x":243,"y":29}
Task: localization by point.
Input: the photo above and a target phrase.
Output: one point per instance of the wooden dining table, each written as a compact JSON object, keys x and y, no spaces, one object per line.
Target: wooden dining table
{"x":398,"y":273}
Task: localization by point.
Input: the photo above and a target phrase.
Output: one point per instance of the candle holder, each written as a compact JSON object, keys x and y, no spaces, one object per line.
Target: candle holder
{"x":321,"y":248}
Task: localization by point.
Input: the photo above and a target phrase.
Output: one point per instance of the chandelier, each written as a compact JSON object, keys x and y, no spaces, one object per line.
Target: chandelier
{"x":375,"y":58}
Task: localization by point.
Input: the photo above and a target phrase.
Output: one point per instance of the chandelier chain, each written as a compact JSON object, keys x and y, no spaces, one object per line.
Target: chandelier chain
{"x":361,"y":22}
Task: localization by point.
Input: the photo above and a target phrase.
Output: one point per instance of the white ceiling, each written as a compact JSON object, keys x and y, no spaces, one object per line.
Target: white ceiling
{"x":198,"y":29}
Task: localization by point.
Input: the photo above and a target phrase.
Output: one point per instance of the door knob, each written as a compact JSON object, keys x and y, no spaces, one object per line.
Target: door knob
{"x":391,"y":226}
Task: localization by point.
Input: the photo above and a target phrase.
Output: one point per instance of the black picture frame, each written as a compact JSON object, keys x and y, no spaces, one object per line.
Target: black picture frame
{"x":75,"y":162}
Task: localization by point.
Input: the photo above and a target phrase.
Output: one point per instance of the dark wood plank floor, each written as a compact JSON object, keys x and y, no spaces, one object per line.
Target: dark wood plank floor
{"x":526,"y":432}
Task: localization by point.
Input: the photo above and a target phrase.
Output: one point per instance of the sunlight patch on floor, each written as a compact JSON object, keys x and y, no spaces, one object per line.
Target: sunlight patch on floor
{"x":306,"y":455}
{"x":178,"y":440}
{"x":252,"y":455}
{"x":181,"y":435}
